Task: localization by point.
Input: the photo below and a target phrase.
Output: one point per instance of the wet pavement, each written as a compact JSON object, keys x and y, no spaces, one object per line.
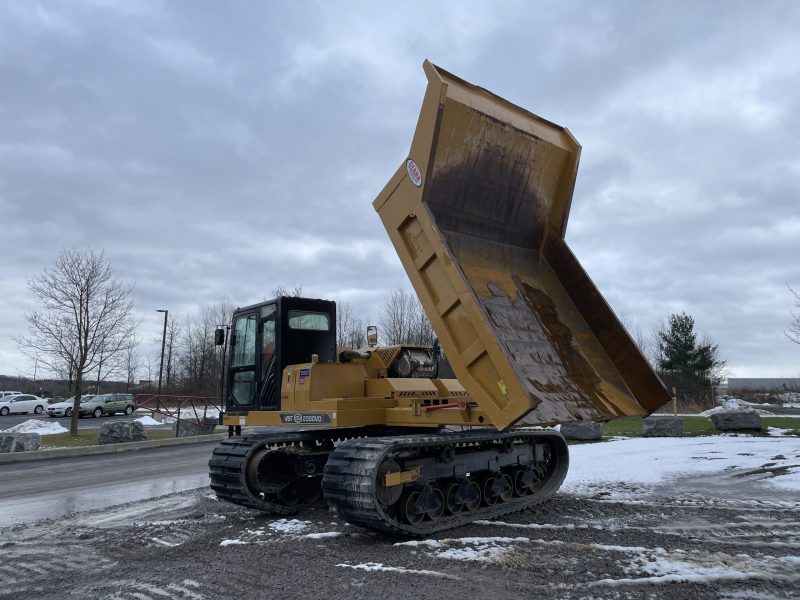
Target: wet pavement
{"x":189,"y":546}
{"x":61,"y":488}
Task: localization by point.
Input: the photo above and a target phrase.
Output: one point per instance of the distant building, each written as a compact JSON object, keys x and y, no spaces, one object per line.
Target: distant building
{"x":764,"y":384}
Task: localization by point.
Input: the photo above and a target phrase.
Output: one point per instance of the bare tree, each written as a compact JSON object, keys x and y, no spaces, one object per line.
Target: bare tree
{"x":149,"y":367}
{"x":396,"y":317}
{"x":84,"y":314}
{"x":174,"y":332}
{"x":421,"y":330}
{"x":196,"y":363}
{"x":350,"y":330}
{"x":404,"y":321}
{"x":281,"y":290}
{"x":793,"y":333}
{"x":638,"y":336}
{"x":133,"y":362}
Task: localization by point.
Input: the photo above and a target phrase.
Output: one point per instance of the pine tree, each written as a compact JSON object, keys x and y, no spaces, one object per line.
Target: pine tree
{"x":690,"y":366}
{"x":677,"y":344}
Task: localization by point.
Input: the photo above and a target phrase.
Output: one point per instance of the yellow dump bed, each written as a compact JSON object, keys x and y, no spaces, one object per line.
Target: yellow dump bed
{"x":477,"y":214}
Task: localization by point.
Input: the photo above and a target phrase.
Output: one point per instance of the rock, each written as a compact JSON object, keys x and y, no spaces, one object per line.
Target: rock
{"x":582,"y":430}
{"x":737,"y":420}
{"x":117,"y":432}
{"x":188,"y":429}
{"x":20,"y":442}
{"x":662,"y":427}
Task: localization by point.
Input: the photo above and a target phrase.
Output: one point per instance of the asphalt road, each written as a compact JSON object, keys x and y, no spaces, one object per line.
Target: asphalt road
{"x":62,"y":488}
{"x":9,"y":421}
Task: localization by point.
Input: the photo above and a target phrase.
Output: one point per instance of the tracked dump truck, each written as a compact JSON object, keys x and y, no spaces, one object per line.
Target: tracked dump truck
{"x":414,"y":439}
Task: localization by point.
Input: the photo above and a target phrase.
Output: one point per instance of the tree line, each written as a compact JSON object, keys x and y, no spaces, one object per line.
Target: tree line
{"x":84,"y":332}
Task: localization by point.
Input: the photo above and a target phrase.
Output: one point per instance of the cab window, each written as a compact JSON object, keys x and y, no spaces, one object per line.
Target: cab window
{"x":309,"y":320}
{"x":243,"y":359}
{"x":267,"y":336}
{"x":244,"y":352}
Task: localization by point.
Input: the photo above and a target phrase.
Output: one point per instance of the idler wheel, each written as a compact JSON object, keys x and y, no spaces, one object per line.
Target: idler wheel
{"x":391,"y":494}
{"x":252,"y":475}
{"x":289,"y":495}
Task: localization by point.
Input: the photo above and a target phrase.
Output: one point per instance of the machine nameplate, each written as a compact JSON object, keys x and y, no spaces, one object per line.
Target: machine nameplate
{"x":305,"y":418}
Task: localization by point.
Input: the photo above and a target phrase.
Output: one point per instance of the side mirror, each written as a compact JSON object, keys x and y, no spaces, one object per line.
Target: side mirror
{"x":372,"y":336}
{"x":219,"y":336}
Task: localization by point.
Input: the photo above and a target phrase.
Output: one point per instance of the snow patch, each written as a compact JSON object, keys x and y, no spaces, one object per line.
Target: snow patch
{"x":37,"y":426}
{"x":719,"y":409}
{"x":486,"y":549}
{"x":232,"y":543}
{"x":371,"y":566}
{"x":535,"y":525}
{"x":161,"y":542}
{"x":148,"y":420}
{"x":289,"y":525}
{"x":323,"y":534}
{"x":661,"y":566}
{"x":631,"y":468}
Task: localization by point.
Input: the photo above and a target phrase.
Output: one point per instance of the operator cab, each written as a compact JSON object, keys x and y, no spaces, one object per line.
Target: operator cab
{"x":267,"y":337}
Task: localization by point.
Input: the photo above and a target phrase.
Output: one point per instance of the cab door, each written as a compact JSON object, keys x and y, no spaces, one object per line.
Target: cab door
{"x":242,"y":373}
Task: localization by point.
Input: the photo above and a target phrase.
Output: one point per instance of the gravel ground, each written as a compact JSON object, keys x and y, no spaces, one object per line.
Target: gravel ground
{"x":678,"y":543}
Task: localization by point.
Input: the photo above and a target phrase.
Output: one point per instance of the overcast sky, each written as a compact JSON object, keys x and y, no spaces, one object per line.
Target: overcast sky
{"x":220,"y":149}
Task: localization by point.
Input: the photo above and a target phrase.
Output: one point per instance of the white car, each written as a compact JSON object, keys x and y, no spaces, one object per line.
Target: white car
{"x":22,"y":403}
{"x":64,"y":409}
{"x":4,"y":394}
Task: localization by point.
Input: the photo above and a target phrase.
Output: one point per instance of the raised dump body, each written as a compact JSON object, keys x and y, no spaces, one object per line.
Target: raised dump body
{"x":477,"y":215}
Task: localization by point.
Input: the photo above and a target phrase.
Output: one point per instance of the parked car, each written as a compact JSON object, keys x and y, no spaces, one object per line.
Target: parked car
{"x":107,"y":404}
{"x":64,"y":409}
{"x":4,"y":394}
{"x":22,"y":403}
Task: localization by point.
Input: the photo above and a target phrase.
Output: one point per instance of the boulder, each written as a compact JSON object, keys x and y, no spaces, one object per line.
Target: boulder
{"x":20,"y":442}
{"x":189,"y":428}
{"x":117,"y":432}
{"x":582,"y":430}
{"x":737,"y":420}
{"x":662,"y":427}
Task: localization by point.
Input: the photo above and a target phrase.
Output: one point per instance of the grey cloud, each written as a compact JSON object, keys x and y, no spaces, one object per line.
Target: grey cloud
{"x":225,"y":150}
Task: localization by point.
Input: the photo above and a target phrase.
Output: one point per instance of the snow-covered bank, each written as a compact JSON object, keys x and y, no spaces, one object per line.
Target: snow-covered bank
{"x":37,"y":426}
{"x":627,"y":468}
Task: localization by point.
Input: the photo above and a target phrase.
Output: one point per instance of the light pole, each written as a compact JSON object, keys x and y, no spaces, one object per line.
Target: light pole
{"x":163,"y":343}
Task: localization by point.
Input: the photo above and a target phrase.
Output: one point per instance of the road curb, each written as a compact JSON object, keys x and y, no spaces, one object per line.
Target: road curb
{"x":17,"y":457}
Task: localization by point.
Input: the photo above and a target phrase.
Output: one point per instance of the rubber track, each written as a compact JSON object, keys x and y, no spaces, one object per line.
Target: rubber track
{"x":350,"y":478}
{"x":227,"y":463}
